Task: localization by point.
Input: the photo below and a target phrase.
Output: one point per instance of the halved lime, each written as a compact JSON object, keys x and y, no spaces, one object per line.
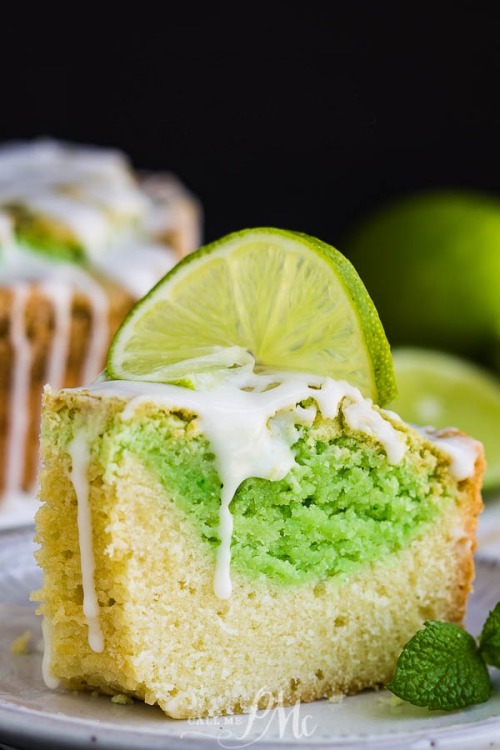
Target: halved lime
{"x":285,"y":299}
{"x":444,"y":390}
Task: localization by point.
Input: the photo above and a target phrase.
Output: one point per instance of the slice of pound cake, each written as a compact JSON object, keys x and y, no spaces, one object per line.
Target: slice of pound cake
{"x":260,"y":537}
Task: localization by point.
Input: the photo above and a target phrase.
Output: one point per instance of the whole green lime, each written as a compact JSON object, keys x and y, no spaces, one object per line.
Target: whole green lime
{"x":431,"y":263}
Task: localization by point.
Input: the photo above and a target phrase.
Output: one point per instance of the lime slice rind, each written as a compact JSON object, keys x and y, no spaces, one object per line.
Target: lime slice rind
{"x":286,"y":299}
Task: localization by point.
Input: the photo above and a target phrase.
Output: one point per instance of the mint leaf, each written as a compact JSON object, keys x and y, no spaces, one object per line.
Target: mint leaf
{"x":441,"y":668}
{"x":489,"y":640}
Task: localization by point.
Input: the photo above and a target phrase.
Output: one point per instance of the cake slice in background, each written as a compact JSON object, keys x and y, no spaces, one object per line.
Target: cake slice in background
{"x":82,"y":236}
{"x":263,"y":536}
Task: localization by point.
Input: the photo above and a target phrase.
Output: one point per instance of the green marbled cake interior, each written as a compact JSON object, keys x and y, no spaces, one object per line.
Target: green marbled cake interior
{"x":341,"y":507}
{"x":45,"y":235}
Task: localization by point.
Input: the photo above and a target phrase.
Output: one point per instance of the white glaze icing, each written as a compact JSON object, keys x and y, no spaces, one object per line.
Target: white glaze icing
{"x":99,"y":331}
{"x":94,"y":194}
{"x":51,"y":682}
{"x":80,"y":187}
{"x":79,"y":450}
{"x":61,"y":297}
{"x":136,"y":271}
{"x":19,"y":388}
{"x":462,"y":450}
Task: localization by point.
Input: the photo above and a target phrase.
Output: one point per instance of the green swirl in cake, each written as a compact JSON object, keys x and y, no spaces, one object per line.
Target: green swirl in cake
{"x":339,"y":493}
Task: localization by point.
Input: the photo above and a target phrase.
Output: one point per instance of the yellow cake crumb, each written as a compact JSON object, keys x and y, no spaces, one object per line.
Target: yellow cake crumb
{"x":336,"y":698}
{"x":22,"y":644}
{"x":121,"y":699}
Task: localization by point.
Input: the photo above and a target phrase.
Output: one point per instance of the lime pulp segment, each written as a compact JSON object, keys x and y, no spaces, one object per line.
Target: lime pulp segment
{"x":286,"y":299}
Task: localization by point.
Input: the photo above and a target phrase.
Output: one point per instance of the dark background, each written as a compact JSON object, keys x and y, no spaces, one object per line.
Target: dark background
{"x":300,"y":122}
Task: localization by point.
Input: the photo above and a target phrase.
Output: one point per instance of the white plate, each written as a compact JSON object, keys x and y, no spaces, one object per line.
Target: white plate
{"x":17,"y":510}
{"x":32,"y":716}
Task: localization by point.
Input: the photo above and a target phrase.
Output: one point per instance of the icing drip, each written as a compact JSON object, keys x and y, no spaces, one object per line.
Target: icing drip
{"x":48,"y":678}
{"x":58,"y":287}
{"x":79,"y":451}
{"x":372,"y":423}
{"x":19,"y":384}
{"x":99,"y":337}
{"x":61,"y":297}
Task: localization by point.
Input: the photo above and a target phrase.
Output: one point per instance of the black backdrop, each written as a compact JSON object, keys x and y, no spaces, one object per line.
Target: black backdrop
{"x":304,"y":123}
